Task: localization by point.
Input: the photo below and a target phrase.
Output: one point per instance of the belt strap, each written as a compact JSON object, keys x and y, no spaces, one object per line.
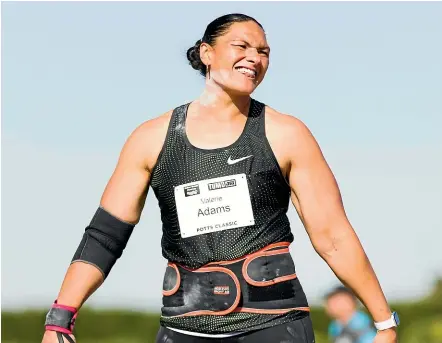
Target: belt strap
{"x":264,"y":282}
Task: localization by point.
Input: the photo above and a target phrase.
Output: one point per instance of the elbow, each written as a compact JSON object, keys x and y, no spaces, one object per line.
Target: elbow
{"x":328,"y":242}
{"x":324,"y":245}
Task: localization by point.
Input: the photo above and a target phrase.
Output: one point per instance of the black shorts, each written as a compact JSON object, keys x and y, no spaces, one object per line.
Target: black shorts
{"x":298,"y":331}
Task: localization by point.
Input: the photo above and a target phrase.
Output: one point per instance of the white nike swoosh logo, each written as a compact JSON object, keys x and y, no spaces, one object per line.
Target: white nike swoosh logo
{"x":230,"y":161}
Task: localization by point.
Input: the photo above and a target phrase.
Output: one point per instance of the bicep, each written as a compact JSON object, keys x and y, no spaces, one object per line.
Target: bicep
{"x":126,"y":191}
{"x":314,"y":188}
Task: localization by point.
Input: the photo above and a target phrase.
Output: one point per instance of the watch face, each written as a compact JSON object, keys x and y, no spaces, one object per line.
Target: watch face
{"x":396,"y":318}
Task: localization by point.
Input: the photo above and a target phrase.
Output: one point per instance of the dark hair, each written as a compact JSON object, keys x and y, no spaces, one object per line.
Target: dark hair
{"x":340,"y":290}
{"x":215,"y":29}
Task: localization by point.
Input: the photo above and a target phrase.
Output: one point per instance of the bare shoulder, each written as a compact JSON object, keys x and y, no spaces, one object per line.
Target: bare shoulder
{"x":146,"y":141}
{"x":286,"y":124}
{"x":288,"y":132}
{"x":152,"y":129}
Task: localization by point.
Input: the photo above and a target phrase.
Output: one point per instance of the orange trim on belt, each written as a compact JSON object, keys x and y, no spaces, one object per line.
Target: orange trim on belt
{"x":217,"y":313}
{"x":269,"y":282}
{"x":178,"y":281}
{"x":268,"y":247}
{"x":270,"y":311}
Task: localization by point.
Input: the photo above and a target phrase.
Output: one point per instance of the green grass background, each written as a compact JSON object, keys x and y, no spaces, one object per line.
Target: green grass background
{"x":421,"y":322}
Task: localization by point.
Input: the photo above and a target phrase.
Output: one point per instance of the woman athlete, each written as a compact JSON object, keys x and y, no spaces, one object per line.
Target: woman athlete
{"x":224,"y":168}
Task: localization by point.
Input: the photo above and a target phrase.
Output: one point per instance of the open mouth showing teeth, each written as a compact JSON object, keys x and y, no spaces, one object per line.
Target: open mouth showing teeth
{"x":247,"y":72}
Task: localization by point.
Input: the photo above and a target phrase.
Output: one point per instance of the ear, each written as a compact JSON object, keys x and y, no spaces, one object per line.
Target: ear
{"x":206,"y":52}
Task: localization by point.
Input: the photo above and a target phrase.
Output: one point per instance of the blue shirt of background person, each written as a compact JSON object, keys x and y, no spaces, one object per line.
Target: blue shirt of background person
{"x":360,"y":325}
{"x":348,"y":325}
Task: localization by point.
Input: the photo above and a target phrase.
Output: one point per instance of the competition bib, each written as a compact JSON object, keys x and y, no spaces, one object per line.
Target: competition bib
{"x":212,"y":205}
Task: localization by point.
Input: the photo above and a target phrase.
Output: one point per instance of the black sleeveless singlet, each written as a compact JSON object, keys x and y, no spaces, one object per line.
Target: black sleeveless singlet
{"x":189,"y":172}
{"x":181,"y":163}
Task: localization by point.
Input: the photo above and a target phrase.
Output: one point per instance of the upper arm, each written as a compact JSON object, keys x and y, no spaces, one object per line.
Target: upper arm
{"x":315,"y":192}
{"x":126,"y":191}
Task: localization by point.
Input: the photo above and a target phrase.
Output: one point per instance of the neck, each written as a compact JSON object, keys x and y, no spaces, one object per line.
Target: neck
{"x":217,"y":100}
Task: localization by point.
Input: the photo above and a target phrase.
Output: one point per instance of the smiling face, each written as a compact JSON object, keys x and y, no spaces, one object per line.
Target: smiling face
{"x":239,"y":59}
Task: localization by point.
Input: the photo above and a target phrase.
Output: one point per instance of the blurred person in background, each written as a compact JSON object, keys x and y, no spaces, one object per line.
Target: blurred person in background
{"x":349,"y":324}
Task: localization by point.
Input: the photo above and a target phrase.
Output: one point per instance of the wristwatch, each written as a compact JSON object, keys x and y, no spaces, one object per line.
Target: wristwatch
{"x":389,"y":323}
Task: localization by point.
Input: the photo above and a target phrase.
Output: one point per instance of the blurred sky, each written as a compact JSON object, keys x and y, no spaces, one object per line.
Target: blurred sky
{"x":77,"y":78}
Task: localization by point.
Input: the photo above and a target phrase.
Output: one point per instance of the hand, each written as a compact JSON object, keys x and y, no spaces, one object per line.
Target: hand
{"x":386,"y":336}
{"x":51,"y":337}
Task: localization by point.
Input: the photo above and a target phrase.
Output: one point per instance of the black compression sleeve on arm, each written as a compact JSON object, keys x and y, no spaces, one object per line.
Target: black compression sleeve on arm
{"x":103,"y":241}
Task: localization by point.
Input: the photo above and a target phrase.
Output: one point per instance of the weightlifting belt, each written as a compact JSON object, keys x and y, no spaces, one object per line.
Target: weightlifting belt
{"x":263,"y":282}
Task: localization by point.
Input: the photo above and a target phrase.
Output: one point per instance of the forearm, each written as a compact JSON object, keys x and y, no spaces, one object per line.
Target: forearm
{"x":80,"y":282}
{"x":346,"y":257}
